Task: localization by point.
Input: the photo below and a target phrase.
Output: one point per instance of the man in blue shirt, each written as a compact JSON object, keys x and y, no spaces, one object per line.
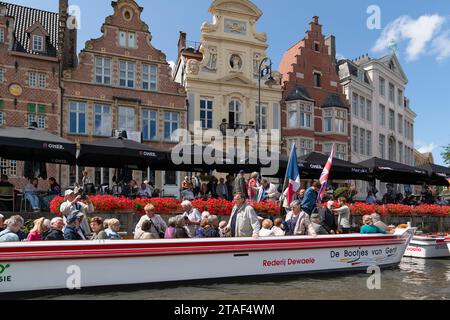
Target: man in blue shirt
{"x":309,"y":202}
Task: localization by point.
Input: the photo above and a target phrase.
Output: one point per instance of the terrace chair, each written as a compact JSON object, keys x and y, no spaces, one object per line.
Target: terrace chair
{"x":7,"y":195}
{"x":23,"y":203}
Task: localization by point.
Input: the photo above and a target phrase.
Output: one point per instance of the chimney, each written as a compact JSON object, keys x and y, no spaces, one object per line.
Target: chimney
{"x":63,"y":8}
{"x":330,"y":41}
{"x":181,"y":42}
{"x":67,"y":36}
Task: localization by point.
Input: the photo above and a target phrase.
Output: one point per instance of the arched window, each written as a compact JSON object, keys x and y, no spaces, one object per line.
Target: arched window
{"x":235,"y":112}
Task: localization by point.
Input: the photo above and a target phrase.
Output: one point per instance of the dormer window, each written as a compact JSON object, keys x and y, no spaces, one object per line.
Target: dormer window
{"x":38,"y":43}
{"x":127,"y":39}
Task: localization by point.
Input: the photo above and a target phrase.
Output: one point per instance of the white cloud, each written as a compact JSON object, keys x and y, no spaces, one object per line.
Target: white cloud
{"x":426,"y":148}
{"x":441,"y":46}
{"x":418,"y":32}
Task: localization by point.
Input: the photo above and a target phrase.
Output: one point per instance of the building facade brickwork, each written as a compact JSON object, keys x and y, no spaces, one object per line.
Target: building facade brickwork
{"x":315,"y":113}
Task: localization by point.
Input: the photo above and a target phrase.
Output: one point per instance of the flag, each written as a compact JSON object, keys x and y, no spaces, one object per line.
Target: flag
{"x":293,"y":174}
{"x":324,"y":176}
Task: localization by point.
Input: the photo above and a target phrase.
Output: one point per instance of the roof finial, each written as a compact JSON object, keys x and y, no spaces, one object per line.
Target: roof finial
{"x":393,"y":46}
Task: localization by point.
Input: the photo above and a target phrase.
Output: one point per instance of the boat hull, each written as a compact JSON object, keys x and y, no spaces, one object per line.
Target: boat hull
{"x":130,"y":263}
{"x":427,"y":248}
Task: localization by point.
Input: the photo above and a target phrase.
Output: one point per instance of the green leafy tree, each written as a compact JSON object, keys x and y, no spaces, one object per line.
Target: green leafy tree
{"x":446,"y":154}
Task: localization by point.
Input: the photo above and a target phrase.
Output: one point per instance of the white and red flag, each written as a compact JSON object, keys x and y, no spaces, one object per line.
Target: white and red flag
{"x":293,"y":174}
{"x":325,"y":175}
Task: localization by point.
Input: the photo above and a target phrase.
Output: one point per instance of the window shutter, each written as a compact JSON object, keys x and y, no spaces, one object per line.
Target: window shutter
{"x":31,"y":108}
{"x":1,"y":104}
{"x":41,"y":109}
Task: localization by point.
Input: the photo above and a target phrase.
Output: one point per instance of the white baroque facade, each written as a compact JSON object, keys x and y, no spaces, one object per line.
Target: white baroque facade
{"x":220,"y":73}
{"x":382,"y":120}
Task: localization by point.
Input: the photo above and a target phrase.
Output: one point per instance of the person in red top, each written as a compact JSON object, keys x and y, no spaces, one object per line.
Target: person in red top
{"x":37,"y":231}
{"x":253,"y":188}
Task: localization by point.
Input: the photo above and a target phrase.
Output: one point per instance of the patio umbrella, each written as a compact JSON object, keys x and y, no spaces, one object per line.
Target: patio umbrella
{"x":119,"y":153}
{"x":312,"y":165}
{"x":32,"y":144}
{"x":439,"y":175}
{"x":394,"y":172}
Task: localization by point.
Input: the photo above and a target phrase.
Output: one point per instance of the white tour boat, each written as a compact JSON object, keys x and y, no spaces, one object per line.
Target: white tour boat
{"x":428,"y":247}
{"x":36,"y":266}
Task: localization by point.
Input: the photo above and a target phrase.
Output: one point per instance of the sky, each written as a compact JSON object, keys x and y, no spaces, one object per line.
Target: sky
{"x":420,"y":28}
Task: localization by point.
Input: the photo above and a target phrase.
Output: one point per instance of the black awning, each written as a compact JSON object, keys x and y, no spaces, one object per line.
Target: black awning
{"x":439,"y":175}
{"x":312,"y":165}
{"x":394,"y":172}
{"x":31,"y":144}
{"x":120,"y":154}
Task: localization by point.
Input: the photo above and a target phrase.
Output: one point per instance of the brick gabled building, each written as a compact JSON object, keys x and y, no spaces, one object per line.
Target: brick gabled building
{"x":29,"y":75}
{"x":315,"y":112}
{"x":122,"y":83}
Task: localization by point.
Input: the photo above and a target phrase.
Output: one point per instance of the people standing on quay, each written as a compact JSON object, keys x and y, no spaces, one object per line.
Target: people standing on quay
{"x":244,"y":222}
{"x":240,"y":184}
{"x":252,"y":188}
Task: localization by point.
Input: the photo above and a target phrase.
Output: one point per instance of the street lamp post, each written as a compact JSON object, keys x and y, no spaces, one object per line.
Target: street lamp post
{"x":267,"y":70}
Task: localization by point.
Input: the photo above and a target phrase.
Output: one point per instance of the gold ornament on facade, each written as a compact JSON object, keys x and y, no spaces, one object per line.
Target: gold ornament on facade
{"x":67,"y":74}
{"x":162,"y":57}
{"x":208,"y":27}
{"x":15,"y":90}
{"x":89,"y":45}
{"x":193,"y":67}
{"x":181,"y":90}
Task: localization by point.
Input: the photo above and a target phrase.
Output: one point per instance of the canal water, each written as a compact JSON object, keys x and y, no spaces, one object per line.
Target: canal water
{"x":415,"y":279}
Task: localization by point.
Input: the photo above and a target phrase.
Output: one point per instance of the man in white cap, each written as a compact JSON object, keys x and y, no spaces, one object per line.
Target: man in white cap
{"x":73,"y":203}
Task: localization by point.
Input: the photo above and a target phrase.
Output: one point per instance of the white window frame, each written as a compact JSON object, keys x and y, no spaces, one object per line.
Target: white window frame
{"x":382,"y":86}
{"x":369,"y":111}
{"x":42,"y":80}
{"x":392,"y":120}
{"x":401,"y":154}
{"x":362,"y":141}
{"x":369,"y":141}
{"x":305,"y":146}
{"x":382,"y":115}
{"x":362,"y":107}
{"x":341,"y":150}
{"x":104,"y":111}
{"x":174,"y":119}
{"x":208,"y":110}
{"x":391,"y":92}
{"x":105,"y":71}
{"x":150,"y":77}
{"x":400,"y":97}
{"x":9,"y":167}
{"x":355,"y":137}
{"x":127,"y":74}
{"x":235,"y":107}
{"x":79,"y":108}
{"x":38,"y":118}
{"x":355,"y":104}
{"x":382,"y":146}
{"x":328,"y":116}
{"x":125,"y":39}
{"x":264,"y":118}
{"x":151,"y":119}
{"x":38,"y":43}
{"x":130,"y":118}
{"x":32,"y":79}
